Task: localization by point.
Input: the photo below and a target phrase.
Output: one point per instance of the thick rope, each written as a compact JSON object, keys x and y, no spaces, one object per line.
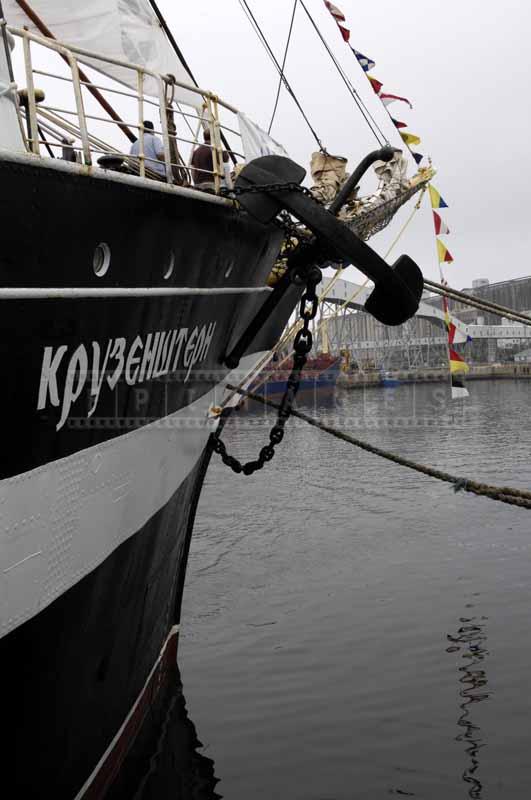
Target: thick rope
{"x":483,"y":305}
{"x":504,"y":494}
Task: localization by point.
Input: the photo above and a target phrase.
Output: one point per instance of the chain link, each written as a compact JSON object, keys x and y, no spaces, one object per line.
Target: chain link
{"x":302,"y":345}
{"x":266,"y":187}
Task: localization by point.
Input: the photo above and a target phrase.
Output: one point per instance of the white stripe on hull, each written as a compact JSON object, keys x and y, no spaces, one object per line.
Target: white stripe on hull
{"x":60,"y":521}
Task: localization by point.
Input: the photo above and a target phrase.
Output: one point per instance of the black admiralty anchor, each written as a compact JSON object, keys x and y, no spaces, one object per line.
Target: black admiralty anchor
{"x":271,"y":184}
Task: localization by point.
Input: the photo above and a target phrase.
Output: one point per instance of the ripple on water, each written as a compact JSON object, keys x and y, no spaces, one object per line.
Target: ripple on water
{"x":322,"y":591}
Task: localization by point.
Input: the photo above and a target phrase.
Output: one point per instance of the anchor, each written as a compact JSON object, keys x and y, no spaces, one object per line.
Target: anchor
{"x":397,"y":288}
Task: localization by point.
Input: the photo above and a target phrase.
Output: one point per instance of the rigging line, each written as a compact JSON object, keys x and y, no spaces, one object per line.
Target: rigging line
{"x":45,"y":141}
{"x":265,"y":44}
{"x":262,"y":37}
{"x":406,"y":224}
{"x":371,"y":122}
{"x":283,"y":65}
{"x":262,"y":41}
{"x":186,"y":120}
{"x":169,"y":34}
{"x":178,"y":52}
{"x":366,"y":114}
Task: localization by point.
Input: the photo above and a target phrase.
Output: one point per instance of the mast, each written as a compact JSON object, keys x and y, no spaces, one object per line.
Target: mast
{"x":37,"y":21}
{"x":178,"y":52}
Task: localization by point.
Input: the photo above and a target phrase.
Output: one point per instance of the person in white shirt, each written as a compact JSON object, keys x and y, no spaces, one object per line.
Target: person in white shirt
{"x":153,"y":150}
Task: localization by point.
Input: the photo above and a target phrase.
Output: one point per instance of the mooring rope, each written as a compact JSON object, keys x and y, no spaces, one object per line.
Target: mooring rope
{"x":477,"y":302}
{"x":504,"y":494}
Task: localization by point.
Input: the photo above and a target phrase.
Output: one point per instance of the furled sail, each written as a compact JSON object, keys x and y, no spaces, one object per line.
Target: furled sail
{"x":127,"y":30}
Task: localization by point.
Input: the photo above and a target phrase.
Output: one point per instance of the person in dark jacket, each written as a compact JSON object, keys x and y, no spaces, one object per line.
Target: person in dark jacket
{"x":202,"y":162}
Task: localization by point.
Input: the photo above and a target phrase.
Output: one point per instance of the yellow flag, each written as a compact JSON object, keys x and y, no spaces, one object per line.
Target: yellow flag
{"x":444,"y":254}
{"x":410,"y":138}
{"x":436,"y":199}
{"x":458,"y":366}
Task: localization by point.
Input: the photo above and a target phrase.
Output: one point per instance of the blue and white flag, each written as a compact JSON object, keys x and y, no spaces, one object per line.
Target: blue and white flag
{"x":365,"y":63}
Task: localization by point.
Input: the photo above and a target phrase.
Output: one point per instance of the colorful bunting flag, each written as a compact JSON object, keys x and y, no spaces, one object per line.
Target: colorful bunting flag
{"x":436,"y":199}
{"x":458,"y":367}
{"x":375,"y":83}
{"x":444,"y":254}
{"x":365,"y":63}
{"x":390,"y":98}
{"x":459,"y":389}
{"x":451,"y":331}
{"x":410,"y":138}
{"x":440,"y":226}
{"x":339,"y":18}
{"x":398,"y":124}
{"x":417,"y":156}
{"x":457,"y":363}
{"x":449,"y":325}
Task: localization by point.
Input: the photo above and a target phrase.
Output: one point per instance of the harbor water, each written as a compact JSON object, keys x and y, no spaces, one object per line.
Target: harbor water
{"x":352,"y":629}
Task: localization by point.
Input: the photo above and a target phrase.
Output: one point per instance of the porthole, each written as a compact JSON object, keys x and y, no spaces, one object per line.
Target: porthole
{"x":169,"y":267}
{"x":102,"y":259}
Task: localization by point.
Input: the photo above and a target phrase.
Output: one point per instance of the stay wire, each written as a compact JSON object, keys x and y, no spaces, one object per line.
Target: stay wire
{"x":245,"y":6}
{"x":283,"y":65}
{"x":375,"y":129}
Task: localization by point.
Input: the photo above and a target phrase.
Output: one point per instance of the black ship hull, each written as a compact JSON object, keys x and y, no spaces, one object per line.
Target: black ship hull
{"x":107,"y":399}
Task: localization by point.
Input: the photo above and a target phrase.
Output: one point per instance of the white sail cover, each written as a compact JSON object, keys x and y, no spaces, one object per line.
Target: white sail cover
{"x":256,"y":142}
{"x":10,"y":134}
{"x":124,"y":29}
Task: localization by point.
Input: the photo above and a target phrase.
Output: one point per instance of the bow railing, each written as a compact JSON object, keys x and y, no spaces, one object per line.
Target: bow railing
{"x":71,"y":126}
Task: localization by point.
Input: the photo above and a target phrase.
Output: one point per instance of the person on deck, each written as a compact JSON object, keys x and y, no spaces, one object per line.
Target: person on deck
{"x":202,"y":162}
{"x":153,"y":150}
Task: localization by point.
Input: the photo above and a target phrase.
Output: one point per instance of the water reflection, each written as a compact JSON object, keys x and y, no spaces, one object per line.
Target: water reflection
{"x":469,"y":641}
{"x":165,"y":761}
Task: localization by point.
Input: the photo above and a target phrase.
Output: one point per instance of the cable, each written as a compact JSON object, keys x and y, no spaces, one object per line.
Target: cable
{"x":178,"y":52}
{"x":369,"y":119}
{"x":45,"y":141}
{"x":504,"y":494}
{"x":483,"y":305}
{"x":366,"y":114}
{"x":245,"y":6}
{"x":283,"y":65}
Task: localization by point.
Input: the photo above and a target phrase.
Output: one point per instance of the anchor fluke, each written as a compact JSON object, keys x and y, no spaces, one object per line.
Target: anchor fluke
{"x":396,"y":301}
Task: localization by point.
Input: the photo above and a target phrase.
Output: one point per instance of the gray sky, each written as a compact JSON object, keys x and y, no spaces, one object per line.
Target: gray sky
{"x":464,"y":64}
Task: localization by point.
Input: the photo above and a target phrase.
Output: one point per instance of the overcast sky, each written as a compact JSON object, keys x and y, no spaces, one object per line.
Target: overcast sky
{"x":464,"y":64}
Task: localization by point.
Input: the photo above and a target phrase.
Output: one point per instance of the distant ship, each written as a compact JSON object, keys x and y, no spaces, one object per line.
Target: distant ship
{"x":319,"y":379}
{"x":129,"y":293}
{"x":388,"y":381}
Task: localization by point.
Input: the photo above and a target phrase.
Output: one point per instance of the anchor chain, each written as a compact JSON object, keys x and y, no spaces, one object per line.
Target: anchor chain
{"x":302,"y":345}
{"x":258,"y":188}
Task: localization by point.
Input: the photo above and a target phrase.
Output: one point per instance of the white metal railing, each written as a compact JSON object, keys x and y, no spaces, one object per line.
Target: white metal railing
{"x":51,"y":128}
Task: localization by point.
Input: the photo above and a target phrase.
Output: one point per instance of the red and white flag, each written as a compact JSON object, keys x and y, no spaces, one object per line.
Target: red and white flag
{"x":387,"y":99}
{"x":439,"y":224}
{"x":339,"y":18}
